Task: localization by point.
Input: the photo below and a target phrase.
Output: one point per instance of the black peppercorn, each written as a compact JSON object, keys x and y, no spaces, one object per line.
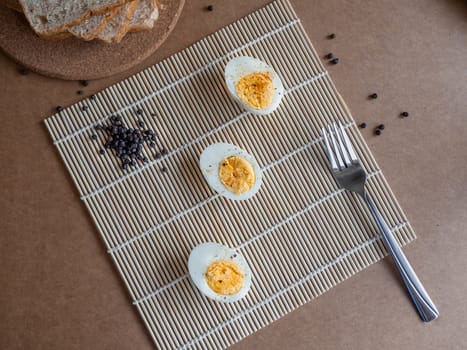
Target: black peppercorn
{"x":126,"y":143}
{"x":363,"y":125}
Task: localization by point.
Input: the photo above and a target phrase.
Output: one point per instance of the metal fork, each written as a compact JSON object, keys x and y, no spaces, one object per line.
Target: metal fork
{"x":351,"y":176}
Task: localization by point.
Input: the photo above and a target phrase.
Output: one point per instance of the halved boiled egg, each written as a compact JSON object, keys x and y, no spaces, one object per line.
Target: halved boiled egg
{"x":230,"y":171}
{"x":219,"y":272}
{"x":254,"y":84}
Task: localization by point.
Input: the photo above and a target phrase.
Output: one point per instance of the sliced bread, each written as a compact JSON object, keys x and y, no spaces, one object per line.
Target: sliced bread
{"x":118,"y":26}
{"x":145,"y":16}
{"x":92,"y":26}
{"x":86,"y":30}
{"x":48,"y":17}
{"x":15,"y":5}
{"x":12,"y":4}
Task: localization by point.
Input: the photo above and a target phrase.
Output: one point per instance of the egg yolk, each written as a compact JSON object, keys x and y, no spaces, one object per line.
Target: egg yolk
{"x":256,"y":90}
{"x":237,"y":174}
{"x":224,"y":277}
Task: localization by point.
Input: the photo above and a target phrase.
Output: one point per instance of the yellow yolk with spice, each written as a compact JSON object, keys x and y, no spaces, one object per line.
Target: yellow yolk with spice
{"x":256,"y":90}
{"x":237,"y":174}
{"x":224,"y":277}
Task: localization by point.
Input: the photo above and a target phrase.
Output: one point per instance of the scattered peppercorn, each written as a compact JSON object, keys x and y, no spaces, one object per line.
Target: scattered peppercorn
{"x":335,"y":61}
{"x":80,"y":92}
{"x":374,"y":95}
{"x":405,"y":114}
{"x":93,"y":97}
{"x":84,"y":82}
{"x":331,"y":36}
{"x":94,"y":136}
{"x":329,"y":56}
{"x":164,"y":169}
{"x":126,"y":142}
{"x":84,"y":108}
{"x":380,"y":126}
{"x":140,"y":123}
{"x":363,"y":125}
{"x":378,"y":132}
{"x":139,"y":111}
{"x":59,"y":108}
{"x":23,"y":71}
{"x":210,"y":8}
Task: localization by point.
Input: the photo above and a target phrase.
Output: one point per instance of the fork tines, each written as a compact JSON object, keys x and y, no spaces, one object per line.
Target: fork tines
{"x":338,"y":147}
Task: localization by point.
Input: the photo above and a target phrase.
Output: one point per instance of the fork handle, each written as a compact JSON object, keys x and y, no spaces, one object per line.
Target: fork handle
{"x":426,"y":308}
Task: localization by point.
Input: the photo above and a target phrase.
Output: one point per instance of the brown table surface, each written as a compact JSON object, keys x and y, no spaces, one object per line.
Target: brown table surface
{"x":59,"y":289}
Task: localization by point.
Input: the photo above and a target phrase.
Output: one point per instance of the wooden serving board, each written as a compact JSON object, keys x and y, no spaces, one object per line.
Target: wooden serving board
{"x":75,"y":59}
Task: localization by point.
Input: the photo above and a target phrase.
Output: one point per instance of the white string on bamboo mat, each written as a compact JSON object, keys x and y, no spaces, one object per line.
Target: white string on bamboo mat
{"x":191,"y":143}
{"x":177,"y":82}
{"x":258,"y":236}
{"x":213,"y":197}
{"x":290,"y":287}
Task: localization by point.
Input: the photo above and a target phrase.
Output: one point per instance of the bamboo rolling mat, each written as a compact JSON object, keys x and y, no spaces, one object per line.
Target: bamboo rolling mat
{"x":301,"y":234}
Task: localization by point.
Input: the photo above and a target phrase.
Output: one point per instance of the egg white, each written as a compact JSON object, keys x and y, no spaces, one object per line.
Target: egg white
{"x":238,"y":67}
{"x":210,"y":161}
{"x":206,"y":253}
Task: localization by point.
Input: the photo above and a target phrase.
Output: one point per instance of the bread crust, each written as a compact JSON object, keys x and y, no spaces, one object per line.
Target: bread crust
{"x":126,"y":25}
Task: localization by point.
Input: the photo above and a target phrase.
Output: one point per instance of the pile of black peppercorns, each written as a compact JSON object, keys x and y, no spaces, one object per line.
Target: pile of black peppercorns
{"x":127,"y":143}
